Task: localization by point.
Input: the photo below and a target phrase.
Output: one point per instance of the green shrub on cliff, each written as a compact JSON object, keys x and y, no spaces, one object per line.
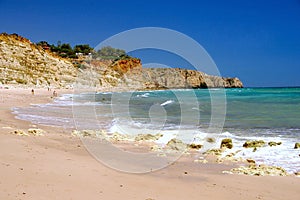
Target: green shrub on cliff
{"x":65,"y":50}
{"x":108,"y":53}
{"x":85,"y":49}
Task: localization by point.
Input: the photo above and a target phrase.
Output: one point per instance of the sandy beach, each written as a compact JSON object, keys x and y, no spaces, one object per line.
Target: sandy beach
{"x":57,"y":166}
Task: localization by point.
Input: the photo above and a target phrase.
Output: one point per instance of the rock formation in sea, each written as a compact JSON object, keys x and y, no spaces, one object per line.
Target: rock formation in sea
{"x":23,"y":62}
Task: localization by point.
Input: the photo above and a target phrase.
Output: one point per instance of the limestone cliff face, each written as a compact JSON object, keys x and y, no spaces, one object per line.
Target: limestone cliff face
{"x":22,"y":62}
{"x":153,"y":78}
{"x":129,"y":73}
{"x":128,"y":65}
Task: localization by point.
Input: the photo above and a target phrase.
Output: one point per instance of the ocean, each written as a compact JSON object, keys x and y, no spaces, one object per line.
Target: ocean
{"x":269,"y":114}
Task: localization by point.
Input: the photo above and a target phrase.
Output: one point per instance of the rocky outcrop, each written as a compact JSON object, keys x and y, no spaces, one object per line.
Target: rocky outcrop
{"x":254,"y":144}
{"x":210,"y":140}
{"x":247,"y":166}
{"x":36,"y":132}
{"x":176,"y":145}
{"x":258,"y":170}
{"x":20,"y":132}
{"x":271,"y":144}
{"x":195,"y":146}
{"x":297,"y":145}
{"x":90,"y":133}
{"x":182,"y":78}
{"x":23,"y":62}
{"x":30,"y":132}
{"x":226,"y":143}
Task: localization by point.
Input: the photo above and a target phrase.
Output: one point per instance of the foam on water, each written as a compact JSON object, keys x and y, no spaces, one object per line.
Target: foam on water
{"x":186,"y":135}
{"x":283,"y":155}
{"x":167,"y":102}
{"x":145,"y":95}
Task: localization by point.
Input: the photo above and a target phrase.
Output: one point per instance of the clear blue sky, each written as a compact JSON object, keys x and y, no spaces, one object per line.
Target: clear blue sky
{"x":258,"y":41}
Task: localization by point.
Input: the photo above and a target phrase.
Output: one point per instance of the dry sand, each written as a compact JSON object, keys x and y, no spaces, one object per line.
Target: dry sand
{"x":57,"y":166}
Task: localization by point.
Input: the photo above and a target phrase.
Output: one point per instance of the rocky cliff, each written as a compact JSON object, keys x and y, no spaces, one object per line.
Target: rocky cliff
{"x":133,"y":75}
{"x":184,"y":78}
{"x":22,"y":62}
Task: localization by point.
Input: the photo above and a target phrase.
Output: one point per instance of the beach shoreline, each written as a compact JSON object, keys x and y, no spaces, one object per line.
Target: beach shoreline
{"x":57,"y":165}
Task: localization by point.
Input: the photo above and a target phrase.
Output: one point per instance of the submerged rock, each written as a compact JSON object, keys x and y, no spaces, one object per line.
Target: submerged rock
{"x":210,"y":140}
{"x":226,"y":143}
{"x":254,"y":144}
{"x":297,"y":145}
{"x":147,"y":137}
{"x":176,"y":144}
{"x":271,"y":144}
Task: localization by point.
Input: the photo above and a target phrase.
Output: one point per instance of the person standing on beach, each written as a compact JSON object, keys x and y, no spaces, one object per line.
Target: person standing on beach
{"x":54,"y":93}
{"x":32,"y":91}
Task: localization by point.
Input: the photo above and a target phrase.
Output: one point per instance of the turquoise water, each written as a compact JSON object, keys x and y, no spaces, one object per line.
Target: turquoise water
{"x":249,"y":108}
{"x":263,"y":108}
{"x":271,"y":114}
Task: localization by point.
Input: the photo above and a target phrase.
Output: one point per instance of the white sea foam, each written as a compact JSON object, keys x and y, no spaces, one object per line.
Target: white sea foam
{"x":145,"y":95}
{"x":282,"y":155}
{"x":167,"y":102}
{"x":182,"y":133}
{"x":44,"y":120}
{"x":215,"y":89}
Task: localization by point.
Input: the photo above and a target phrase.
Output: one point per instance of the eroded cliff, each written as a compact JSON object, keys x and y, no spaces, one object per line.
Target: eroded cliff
{"x":22,"y":62}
